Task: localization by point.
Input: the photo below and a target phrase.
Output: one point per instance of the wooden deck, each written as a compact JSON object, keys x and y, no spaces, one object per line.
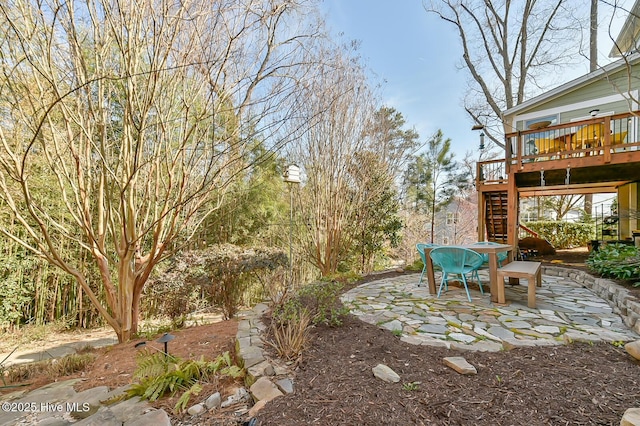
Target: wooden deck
{"x":591,"y":156}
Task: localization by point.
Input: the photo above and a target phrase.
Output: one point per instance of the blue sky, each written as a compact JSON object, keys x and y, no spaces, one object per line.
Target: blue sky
{"x":417,"y":55}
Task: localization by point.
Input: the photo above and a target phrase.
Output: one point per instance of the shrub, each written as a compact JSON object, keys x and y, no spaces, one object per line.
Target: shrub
{"x":563,"y":234}
{"x":52,"y":368}
{"x":224,"y":273}
{"x":322,"y":300}
{"x":173,"y":297}
{"x":417,"y":265}
{"x":293,"y":315}
{"x":618,"y":261}
{"x":290,"y":332}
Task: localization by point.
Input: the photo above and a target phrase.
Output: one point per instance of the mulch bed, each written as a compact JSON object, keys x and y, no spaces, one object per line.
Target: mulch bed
{"x":576,"y":384}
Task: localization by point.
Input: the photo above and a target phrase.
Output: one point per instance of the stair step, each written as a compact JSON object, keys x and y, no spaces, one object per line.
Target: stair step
{"x":496,"y":216}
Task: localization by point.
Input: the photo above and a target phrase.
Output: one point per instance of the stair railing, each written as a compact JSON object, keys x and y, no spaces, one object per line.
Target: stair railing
{"x":528,"y":231}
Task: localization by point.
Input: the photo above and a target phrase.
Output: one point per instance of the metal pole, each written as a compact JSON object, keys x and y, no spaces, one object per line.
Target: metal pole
{"x":291,"y":176}
{"x":290,"y":236}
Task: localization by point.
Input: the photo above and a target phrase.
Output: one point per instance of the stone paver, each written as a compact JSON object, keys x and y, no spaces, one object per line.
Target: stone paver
{"x":567,"y":312}
{"x":59,"y":404}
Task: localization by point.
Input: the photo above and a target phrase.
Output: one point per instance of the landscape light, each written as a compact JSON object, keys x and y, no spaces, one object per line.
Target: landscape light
{"x":166,"y":338}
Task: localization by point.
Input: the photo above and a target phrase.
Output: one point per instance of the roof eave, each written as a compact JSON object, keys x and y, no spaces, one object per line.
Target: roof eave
{"x":574,"y":84}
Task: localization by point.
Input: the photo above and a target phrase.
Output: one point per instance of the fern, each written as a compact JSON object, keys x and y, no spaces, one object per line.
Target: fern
{"x":181,"y":405}
{"x":233,"y":371}
{"x":152,"y":364}
{"x":159,"y":375}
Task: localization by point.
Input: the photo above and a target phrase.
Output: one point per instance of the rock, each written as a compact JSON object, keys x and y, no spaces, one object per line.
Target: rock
{"x":269,"y":370}
{"x":104,"y":417}
{"x":459,"y":364}
{"x":196,"y":409}
{"x":227,"y":402}
{"x":633,"y":349}
{"x":241,"y":394}
{"x":129,"y":409}
{"x":631,"y":417}
{"x":260,"y":309}
{"x":214,"y":401}
{"x":251,"y":356}
{"x":263,"y":368}
{"x":385,"y":373}
{"x":241,"y":411}
{"x":86,"y":403}
{"x":54,"y":392}
{"x":153,"y":417}
{"x":264,"y":389}
{"x":114,"y":394}
{"x":257,"y":407}
{"x":285,"y":385}
{"x":53,"y":421}
{"x":462,"y":337}
{"x":394,"y":325}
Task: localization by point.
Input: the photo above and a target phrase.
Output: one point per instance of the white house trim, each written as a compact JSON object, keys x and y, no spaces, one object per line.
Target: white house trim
{"x":574,"y":84}
{"x":573,"y":107}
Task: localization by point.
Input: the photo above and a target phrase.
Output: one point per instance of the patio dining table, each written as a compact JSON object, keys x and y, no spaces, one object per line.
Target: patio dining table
{"x":491,"y":249}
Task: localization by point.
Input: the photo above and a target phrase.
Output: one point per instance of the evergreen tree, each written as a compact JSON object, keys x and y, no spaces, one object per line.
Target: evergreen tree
{"x":434,"y":177}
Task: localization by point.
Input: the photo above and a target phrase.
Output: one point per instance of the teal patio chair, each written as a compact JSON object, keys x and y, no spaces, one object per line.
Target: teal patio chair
{"x":458,"y":261}
{"x":502,"y":255}
{"x":421,"y":247}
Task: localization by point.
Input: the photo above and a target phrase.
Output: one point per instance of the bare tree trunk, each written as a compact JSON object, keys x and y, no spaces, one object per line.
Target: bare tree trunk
{"x":593,"y":36}
{"x":593,"y":65}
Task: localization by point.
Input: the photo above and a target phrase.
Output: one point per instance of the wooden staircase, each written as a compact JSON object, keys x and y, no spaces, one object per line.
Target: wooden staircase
{"x":496,"y":216}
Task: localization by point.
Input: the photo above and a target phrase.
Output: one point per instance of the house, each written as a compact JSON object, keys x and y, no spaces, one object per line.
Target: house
{"x":581,"y":137}
{"x":455,"y":223}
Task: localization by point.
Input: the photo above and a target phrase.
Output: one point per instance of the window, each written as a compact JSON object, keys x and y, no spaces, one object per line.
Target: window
{"x":445,"y":241}
{"x":452,"y":218}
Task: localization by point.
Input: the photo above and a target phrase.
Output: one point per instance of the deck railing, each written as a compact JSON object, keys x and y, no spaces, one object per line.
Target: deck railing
{"x":492,"y":171}
{"x":599,"y":138}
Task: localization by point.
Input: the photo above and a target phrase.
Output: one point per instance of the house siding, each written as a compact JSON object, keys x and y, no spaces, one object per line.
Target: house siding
{"x":605,"y":94}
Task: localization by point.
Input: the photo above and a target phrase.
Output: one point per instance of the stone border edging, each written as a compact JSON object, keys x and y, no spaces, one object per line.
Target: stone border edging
{"x":619,"y":298}
{"x":266,"y":379}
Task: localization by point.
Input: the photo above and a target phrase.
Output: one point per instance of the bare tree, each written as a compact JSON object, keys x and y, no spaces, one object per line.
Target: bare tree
{"x":137,"y":114}
{"x":625,"y":47}
{"x":561,"y":205}
{"x":338,"y":106}
{"x":394,"y":142}
{"x":510,"y":50}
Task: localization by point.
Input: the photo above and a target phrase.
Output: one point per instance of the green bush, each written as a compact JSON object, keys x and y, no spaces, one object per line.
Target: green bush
{"x":322,"y":300}
{"x":564,"y":234}
{"x":294,"y":314}
{"x":620,"y":261}
{"x":223,"y":273}
{"x":417,"y":265}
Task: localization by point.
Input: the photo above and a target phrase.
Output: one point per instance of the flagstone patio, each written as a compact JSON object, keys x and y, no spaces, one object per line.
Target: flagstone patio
{"x":566,"y":311}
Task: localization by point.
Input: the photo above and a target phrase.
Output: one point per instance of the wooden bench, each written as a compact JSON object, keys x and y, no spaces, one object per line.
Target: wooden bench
{"x":531,"y":271}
